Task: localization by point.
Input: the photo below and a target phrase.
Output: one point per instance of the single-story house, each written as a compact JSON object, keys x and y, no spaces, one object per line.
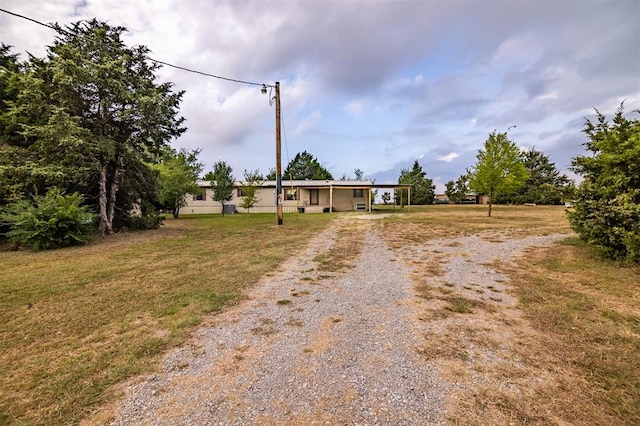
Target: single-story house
{"x":304,"y":196}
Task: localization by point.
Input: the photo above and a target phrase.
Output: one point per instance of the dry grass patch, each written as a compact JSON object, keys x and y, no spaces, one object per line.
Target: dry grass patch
{"x":450,"y":221}
{"x":569,"y":355}
{"x":295,"y":322}
{"x":345,"y":249}
{"x":579,"y":350}
{"x":76,"y":322}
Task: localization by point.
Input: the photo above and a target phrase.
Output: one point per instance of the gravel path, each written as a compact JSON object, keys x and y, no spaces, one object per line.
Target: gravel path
{"x":341,"y":352}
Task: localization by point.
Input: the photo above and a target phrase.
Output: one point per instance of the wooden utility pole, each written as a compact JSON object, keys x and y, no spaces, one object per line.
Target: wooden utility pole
{"x":278,"y":158}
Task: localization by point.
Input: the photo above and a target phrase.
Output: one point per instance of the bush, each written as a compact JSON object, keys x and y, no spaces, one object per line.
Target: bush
{"x":146,"y":221}
{"x":51,"y":221}
{"x":607,"y":203}
{"x":613,"y":226}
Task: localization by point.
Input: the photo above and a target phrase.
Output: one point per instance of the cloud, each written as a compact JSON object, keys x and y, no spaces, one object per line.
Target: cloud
{"x":308,"y":123}
{"x":432,"y":78}
{"x":449,"y":157}
{"x":354,"y":108}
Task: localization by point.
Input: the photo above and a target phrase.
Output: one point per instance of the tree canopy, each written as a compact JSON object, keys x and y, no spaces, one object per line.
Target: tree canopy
{"x":252,"y":181}
{"x":423,"y":191}
{"x":89,"y":117}
{"x":306,"y":166}
{"x":545,"y":184}
{"x":607,"y":203}
{"x":457,"y":191}
{"x":221,"y":182}
{"x":179,"y":173}
{"x":499,"y":168}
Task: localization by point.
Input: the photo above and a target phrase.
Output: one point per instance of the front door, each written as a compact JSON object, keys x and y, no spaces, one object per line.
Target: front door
{"x":314,"y":196}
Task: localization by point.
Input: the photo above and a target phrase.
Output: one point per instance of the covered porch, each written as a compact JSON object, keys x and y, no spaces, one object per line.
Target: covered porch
{"x":336,"y":196}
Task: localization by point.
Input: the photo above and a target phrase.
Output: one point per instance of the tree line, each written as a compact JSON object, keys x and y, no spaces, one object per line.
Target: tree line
{"x":85,"y":138}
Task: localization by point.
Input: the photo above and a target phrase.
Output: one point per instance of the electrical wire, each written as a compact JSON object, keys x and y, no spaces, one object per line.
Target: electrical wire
{"x":63,"y":31}
{"x":286,"y":150}
{"x":284,"y":133}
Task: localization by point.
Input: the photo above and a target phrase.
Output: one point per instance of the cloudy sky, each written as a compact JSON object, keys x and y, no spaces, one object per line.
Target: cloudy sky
{"x":374,"y":85}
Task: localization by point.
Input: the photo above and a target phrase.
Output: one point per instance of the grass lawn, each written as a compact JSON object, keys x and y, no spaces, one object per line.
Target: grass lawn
{"x":75,"y":322}
{"x":575,"y":345}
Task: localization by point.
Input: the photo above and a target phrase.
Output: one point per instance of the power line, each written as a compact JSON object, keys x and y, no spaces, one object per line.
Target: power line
{"x":209,"y":75}
{"x":61,"y":30}
{"x":284,"y":132}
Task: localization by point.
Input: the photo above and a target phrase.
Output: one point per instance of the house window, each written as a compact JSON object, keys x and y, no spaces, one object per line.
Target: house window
{"x":241,"y":192}
{"x":290,"y":194}
{"x":358,"y":193}
{"x":201,"y":196}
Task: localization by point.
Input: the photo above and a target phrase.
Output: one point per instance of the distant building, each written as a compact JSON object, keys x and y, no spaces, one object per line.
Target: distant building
{"x":468,"y":199}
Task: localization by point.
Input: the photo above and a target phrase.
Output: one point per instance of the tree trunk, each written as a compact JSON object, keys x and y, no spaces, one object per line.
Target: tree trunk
{"x":175,"y":209}
{"x":222,"y":202}
{"x":103,"y":227}
{"x":111,"y":206}
{"x":490,"y":203}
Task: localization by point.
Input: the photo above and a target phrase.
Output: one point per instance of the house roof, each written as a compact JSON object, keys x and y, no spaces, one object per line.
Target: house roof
{"x":320,"y":183}
{"x":317,"y":184}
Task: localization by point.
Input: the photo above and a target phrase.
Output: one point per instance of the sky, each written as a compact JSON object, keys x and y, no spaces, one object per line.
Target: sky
{"x":374,"y":85}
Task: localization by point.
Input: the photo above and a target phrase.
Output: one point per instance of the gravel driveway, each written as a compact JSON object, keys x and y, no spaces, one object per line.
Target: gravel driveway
{"x":313,"y":348}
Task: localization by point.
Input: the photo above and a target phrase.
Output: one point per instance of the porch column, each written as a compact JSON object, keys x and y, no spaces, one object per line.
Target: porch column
{"x":409,"y":199}
{"x":331,"y":199}
{"x":369,"y":201}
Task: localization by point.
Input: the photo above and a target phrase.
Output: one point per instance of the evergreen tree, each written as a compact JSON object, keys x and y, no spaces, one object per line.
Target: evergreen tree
{"x":423,"y":191}
{"x":305,"y":166}
{"x":91,"y":115}
{"x":545,"y":184}
{"x":607,"y":203}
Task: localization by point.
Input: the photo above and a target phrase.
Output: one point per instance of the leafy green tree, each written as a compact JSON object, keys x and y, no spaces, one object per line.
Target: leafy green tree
{"x":179,"y":173}
{"x":499,"y":168}
{"x":457,"y":191}
{"x":607,"y":203}
{"x":374,"y":192}
{"x":94,"y":107}
{"x":423,"y":191}
{"x":305,"y":166}
{"x":568,"y":192}
{"x":386,"y":197}
{"x":221,"y":182}
{"x":252,"y":181}
{"x":49,"y":221}
{"x":359,"y":174}
{"x":543,"y":186}
{"x":449,"y":190}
